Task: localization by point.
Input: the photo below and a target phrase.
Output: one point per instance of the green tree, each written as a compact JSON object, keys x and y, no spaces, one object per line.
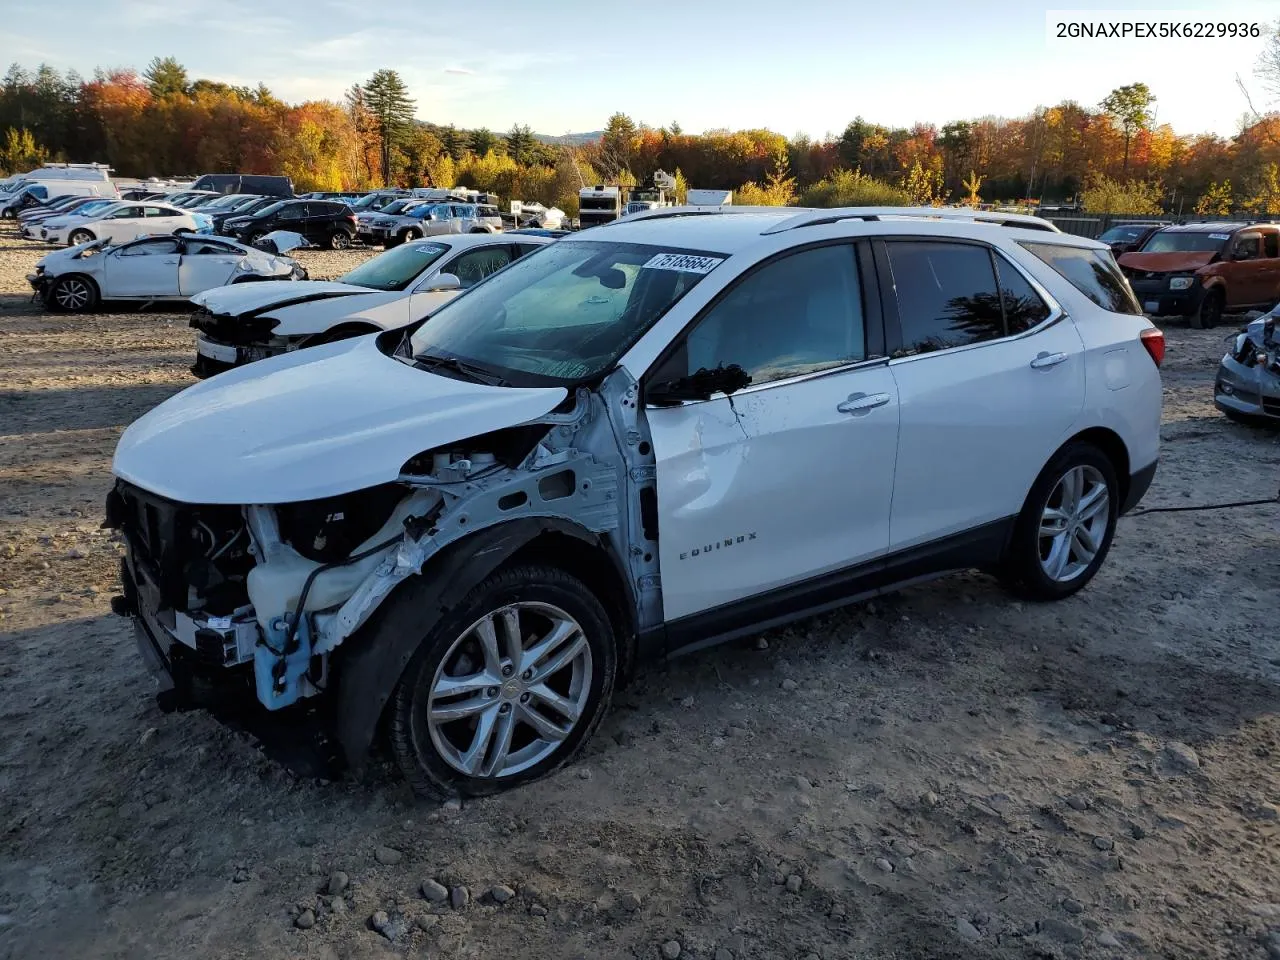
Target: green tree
{"x":522,"y":145}
{"x":617,"y":144}
{"x":1216,"y":200}
{"x":457,"y":143}
{"x":484,"y":140}
{"x":1130,"y":107}
{"x":387,"y":98}
{"x":166,"y":77}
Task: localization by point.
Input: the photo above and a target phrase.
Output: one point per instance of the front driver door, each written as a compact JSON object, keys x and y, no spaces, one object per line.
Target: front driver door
{"x":147,"y":268}
{"x":206,"y":264}
{"x":790,"y":478}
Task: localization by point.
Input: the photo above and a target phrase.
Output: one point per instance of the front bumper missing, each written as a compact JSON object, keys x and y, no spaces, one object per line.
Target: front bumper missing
{"x":1247,"y":391}
{"x":214,"y":356}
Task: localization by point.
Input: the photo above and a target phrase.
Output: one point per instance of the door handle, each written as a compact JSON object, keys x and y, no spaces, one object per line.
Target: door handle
{"x":862,"y":402}
{"x":1044,"y":360}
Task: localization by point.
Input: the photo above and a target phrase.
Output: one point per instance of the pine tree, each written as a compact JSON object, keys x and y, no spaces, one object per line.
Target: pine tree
{"x":167,"y":77}
{"x":521,"y":144}
{"x":387,"y":98}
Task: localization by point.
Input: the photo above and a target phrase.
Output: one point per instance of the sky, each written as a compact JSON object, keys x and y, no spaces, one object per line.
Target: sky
{"x":560,"y":66}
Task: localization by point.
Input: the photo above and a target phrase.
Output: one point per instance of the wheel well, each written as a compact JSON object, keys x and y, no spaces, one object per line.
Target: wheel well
{"x":594,"y":566}
{"x":1109,"y":442}
{"x":344,"y":330}
{"x":78,"y":276}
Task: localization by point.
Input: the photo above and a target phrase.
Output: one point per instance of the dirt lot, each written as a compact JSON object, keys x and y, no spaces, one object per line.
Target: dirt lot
{"x":946,"y":773}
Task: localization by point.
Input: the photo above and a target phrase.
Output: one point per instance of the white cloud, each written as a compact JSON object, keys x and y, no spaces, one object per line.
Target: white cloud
{"x":460,"y":71}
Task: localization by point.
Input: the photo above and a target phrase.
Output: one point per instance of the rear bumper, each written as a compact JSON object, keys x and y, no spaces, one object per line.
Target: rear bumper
{"x":1139,"y":484}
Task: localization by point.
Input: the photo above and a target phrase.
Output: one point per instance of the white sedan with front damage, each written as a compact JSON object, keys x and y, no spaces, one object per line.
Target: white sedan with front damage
{"x":153,"y":268}
{"x":238,"y":324}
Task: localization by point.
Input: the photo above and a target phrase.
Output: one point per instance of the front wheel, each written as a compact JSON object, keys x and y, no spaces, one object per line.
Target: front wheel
{"x":1064,"y":531}
{"x":73,"y":294}
{"x":507,"y":687}
{"x":1209,"y":314}
{"x":78,"y":237}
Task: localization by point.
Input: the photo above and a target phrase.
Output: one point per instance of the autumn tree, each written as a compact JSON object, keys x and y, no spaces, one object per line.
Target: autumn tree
{"x":972,"y":185}
{"x":1130,"y":107}
{"x":1216,"y":200}
{"x":1104,"y":195}
{"x":20,"y":152}
{"x":166,"y":77}
{"x":387,"y":99}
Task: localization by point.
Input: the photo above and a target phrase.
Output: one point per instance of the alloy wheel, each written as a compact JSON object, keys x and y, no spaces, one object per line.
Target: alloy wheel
{"x":72,"y":294}
{"x":510,"y":690}
{"x":1073,"y":523}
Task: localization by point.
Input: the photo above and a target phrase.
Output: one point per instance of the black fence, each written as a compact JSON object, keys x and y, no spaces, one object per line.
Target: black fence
{"x":1093,"y":225}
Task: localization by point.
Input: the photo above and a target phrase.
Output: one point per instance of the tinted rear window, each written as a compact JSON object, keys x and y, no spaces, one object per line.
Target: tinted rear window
{"x":1093,"y":272}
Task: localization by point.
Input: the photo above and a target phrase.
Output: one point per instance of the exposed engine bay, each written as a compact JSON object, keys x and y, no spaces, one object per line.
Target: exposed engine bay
{"x":266,"y":594}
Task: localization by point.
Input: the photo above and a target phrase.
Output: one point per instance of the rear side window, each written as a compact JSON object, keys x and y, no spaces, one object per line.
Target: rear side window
{"x":1093,"y":272}
{"x":1271,"y":244}
{"x":1023,"y":307}
{"x":947,"y":294}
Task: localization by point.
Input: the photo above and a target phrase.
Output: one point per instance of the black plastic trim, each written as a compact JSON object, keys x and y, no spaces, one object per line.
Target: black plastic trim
{"x":1139,"y":484}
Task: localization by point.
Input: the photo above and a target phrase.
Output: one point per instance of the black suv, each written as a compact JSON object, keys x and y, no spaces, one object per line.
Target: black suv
{"x":324,"y":222}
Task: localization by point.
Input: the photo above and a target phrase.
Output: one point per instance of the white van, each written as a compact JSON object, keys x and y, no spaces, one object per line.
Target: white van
{"x":92,"y":172}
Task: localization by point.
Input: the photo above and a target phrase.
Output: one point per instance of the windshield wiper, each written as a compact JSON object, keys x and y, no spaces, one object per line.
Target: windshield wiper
{"x":469,"y":371}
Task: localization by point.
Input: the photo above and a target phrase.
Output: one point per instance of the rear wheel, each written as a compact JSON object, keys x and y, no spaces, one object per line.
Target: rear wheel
{"x":339,"y":240}
{"x":1065,"y":529}
{"x":74,"y":294}
{"x":1209,"y":313}
{"x":507,"y":687}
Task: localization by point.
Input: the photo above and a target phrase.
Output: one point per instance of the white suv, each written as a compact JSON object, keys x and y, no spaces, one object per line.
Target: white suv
{"x":641,"y":440}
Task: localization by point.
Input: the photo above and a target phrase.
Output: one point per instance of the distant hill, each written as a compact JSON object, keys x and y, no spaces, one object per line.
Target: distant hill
{"x":570,"y":139}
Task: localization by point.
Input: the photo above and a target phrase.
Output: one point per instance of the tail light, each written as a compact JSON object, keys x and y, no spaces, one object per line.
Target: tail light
{"x":1153,"y":340}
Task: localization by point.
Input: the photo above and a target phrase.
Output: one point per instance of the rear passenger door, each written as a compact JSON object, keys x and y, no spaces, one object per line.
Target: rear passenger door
{"x":990,"y":378}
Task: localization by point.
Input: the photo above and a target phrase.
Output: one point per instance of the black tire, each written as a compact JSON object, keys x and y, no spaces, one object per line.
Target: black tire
{"x":73,"y":293}
{"x":256,"y":238}
{"x":78,"y":237}
{"x":1023,"y":569}
{"x":339,"y":240}
{"x":427,"y":772}
{"x":9,"y":214}
{"x":1209,"y":313}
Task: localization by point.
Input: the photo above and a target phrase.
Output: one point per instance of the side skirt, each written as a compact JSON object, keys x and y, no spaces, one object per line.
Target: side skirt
{"x":981,"y":547}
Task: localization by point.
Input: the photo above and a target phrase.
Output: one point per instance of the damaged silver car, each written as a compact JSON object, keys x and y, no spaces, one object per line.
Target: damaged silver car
{"x":1247,"y":388}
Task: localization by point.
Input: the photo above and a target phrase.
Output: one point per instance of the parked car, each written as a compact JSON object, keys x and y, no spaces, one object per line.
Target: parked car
{"x":244,"y":208}
{"x":1127,"y":237}
{"x":187,"y":198}
{"x":323,"y":222}
{"x":281,"y":187}
{"x":346,"y":196}
{"x":34,"y":229}
{"x":152,"y":268}
{"x":1201,"y":270}
{"x":377,"y":200}
{"x":428,"y":220}
{"x":238,"y":325}
{"x":541,"y":232}
{"x":119,"y":223}
{"x":393,"y":208}
{"x":30,"y":192}
{"x":50,"y":207}
{"x":462,"y":533}
{"x":1247,"y":387}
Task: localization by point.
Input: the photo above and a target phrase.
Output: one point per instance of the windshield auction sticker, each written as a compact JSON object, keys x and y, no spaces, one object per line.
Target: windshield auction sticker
{"x":683,"y":262}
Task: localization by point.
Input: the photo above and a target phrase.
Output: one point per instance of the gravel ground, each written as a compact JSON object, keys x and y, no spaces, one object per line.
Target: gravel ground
{"x":944,"y":773}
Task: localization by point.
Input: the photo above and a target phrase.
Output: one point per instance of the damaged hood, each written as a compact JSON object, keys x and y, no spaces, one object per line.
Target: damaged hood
{"x":319,"y":315}
{"x":238,"y":298}
{"x":50,"y":260}
{"x":1187,"y":262}
{"x":309,"y":424}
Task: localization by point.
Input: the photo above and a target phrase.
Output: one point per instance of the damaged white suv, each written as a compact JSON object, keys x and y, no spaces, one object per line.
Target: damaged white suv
{"x":673,"y":430}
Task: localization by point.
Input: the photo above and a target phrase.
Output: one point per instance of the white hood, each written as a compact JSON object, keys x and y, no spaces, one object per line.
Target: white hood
{"x":317,"y":316}
{"x":67,"y":254}
{"x":310,"y":424}
{"x":237,"y":298}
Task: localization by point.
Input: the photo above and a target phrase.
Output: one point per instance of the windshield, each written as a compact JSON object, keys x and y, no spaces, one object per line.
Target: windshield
{"x":395,"y":269}
{"x":395,"y":206}
{"x":425,"y":210}
{"x":368,"y":200}
{"x":1171,"y":241}
{"x":108,"y":207}
{"x":563,"y":314}
{"x":1123,"y":234}
{"x":269,"y":209}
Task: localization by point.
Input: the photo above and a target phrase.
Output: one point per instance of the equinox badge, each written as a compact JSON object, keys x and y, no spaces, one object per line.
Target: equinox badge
{"x":717,"y":545}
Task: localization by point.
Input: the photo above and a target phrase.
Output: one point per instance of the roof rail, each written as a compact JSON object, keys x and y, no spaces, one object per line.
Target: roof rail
{"x":816,"y":216}
{"x":813,"y":218}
